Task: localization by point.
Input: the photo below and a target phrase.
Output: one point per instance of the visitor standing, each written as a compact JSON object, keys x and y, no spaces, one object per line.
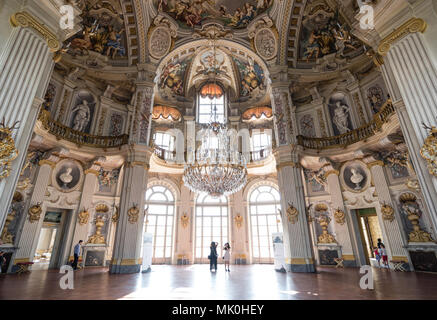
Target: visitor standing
{"x":377,"y":256}
{"x":76,"y":254}
{"x":227,"y":256}
{"x":384,"y":256}
{"x":213,"y":256}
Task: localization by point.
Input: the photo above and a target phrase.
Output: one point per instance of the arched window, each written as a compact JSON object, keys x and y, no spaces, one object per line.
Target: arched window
{"x":165,"y":143}
{"x":211,"y":100}
{"x":159,"y":222}
{"x":211,"y":225}
{"x":264,"y":205}
{"x":261,"y":145}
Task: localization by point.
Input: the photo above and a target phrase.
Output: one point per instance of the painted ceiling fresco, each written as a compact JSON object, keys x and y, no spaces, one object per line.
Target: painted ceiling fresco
{"x":103,"y":30}
{"x":233,"y":13}
{"x":324,"y":32}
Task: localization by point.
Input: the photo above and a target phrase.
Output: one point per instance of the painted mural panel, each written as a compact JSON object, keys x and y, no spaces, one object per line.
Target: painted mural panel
{"x":235,"y":14}
{"x":252,"y":78}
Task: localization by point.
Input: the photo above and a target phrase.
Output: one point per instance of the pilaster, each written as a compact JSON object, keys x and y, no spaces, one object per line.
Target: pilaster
{"x":128,"y":237}
{"x":392,"y":229}
{"x":342,"y":226}
{"x":297,"y":239}
{"x":29,"y":235}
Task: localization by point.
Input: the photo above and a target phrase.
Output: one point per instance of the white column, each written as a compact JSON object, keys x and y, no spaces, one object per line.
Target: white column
{"x":30,"y":232}
{"x":297,"y":242}
{"x":89,"y":187}
{"x":394,"y":241}
{"x":408,"y":61}
{"x":342,"y":231}
{"x":128,"y":237}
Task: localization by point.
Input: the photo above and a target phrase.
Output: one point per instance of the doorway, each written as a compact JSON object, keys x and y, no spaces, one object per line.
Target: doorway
{"x":50,"y":241}
{"x":370,"y":231}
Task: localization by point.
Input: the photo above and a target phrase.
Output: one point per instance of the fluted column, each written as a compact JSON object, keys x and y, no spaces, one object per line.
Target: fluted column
{"x":29,"y":234}
{"x":391,"y":229}
{"x":89,"y":187}
{"x":128,"y":237}
{"x":407,"y":61}
{"x":184,"y":225}
{"x":342,"y":228}
{"x":297,"y":239}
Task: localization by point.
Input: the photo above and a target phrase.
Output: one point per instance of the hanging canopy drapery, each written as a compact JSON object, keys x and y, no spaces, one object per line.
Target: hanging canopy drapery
{"x":258,"y":112}
{"x":211,"y":90}
{"x":165,"y":112}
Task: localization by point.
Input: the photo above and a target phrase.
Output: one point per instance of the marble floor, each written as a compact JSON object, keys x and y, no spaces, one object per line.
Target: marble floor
{"x":251,"y":282}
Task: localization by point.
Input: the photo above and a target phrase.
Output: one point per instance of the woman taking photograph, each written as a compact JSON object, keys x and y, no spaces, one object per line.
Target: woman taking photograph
{"x":227,"y":256}
{"x":213,"y":256}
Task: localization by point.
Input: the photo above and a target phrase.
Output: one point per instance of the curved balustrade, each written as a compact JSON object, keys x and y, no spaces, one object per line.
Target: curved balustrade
{"x":82,"y":139}
{"x":353,"y":136}
{"x":171,"y":155}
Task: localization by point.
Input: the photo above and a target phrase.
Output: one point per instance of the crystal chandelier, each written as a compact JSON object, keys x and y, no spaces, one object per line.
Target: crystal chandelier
{"x":217,"y":168}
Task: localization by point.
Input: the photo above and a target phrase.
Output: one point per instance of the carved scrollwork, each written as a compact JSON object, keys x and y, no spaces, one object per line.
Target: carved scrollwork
{"x":340,"y":216}
{"x":238,"y":221}
{"x":429,"y":150}
{"x":8,"y":151}
{"x":185,"y":220}
{"x":83,"y":217}
{"x":388,"y":213}
{"x":292,"y":214}
{"x":133,"y":214}
{"x":35,"y":212}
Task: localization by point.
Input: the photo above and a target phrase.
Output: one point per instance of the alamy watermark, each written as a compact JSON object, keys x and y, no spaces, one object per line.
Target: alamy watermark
{"x":366,"y":281}
{"x":67,"y":280}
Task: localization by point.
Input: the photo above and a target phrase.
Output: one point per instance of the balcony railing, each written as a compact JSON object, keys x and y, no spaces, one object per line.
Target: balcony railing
{"x":171,"y":155}
{"x":61,"y":131}
{"x":353,"y":136}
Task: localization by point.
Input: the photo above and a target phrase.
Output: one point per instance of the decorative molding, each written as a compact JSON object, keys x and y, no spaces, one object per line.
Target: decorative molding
{"x":138,"y":164}
{"x":288,"y":164}
{"x":83,"y":217}
{"x":238,"y":221}
{"x":339,"y":216}
{"x":47,"y":162}
{"x":185,"y":220}
{"x":128,"y":262}
{"x":133,"y":214}
{"x":25,"y":20}
{"x":328,"y":173}
{"x":411,"y":26}
{"x":92,"y":171}
{"x":388,"y":213}
{"x":375,"y":163}
{"x":348,"y":257}
{"x":35,"y":213}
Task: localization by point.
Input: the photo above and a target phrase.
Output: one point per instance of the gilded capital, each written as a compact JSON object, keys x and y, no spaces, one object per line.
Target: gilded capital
{"x":25,"y":20}
{"x":411,"y":26}
{"x":288,"y":164}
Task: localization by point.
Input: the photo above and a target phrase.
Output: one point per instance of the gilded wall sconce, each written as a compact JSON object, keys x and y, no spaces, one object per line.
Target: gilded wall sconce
{"x":339,"y":216}
{"x":98,"y":237}
{"x":35,"y":212}
{"x":83,"y":217}
{"x":8,"y":151}
{"x":185,"y":220}
{"x":388,"y":213}
{"x":410,"y":207}
{"x":6,"y":236}
{"x":292,"y":213}
{"x":238,"y":221}
{"x":133,"y":214}
{"x":325,"y":237}
{"x":429,"y":150}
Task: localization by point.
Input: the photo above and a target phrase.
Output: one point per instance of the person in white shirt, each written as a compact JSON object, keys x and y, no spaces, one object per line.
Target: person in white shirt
{"x":227,"y":256}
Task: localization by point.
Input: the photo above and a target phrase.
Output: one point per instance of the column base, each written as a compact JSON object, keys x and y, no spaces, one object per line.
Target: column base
{"x":307,"y":268}
{"x":124,"y":269}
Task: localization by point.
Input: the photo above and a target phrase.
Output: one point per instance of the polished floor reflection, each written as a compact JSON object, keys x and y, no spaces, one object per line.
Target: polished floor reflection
{"x":196,"y":282}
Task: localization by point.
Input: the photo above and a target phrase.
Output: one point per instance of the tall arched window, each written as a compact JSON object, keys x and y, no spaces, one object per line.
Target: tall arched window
{"x":211,"y":100}
{"x":159,"y":222}
{"x":264,"y":205}
{"x":211,"y":225}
